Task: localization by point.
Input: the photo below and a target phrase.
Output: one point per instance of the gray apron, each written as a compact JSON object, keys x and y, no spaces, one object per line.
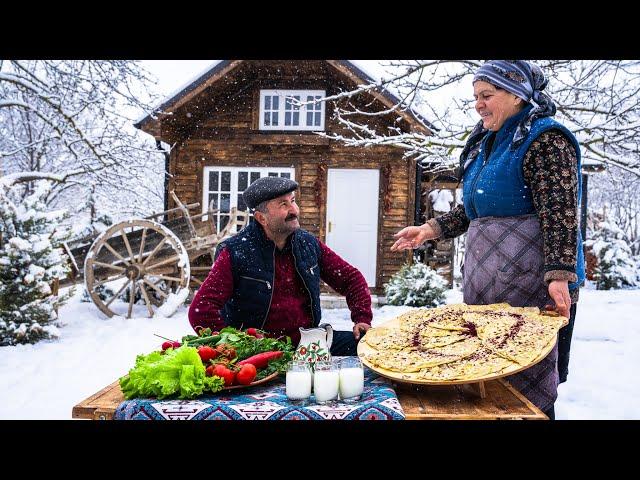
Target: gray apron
{"x":504,"y":262}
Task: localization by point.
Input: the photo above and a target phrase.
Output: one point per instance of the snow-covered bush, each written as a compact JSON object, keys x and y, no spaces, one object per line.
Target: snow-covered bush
{"x":616,"y":267}
{"x":104,"y":293}
{"x":416,"y":285}
{"x":29,"y":264}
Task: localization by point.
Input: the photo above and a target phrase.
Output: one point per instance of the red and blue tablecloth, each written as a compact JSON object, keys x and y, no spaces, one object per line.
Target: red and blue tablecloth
{"x":268,"y":402}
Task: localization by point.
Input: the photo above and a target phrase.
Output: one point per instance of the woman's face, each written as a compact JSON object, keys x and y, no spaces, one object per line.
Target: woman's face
{"x":495,"y":105}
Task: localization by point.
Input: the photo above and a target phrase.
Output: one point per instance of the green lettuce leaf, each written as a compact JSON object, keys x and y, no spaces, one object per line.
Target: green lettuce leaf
{"x":161,"y":375}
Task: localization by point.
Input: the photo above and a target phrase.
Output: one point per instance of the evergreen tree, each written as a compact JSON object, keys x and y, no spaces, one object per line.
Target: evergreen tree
{"x":416,"y":285}
{"x":616,"y":266}
{"x":29,"y":264}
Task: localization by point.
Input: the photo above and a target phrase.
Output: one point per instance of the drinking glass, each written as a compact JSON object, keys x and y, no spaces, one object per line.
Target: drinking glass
{"x":351,"y":375}
{"x":298,"y":382}
{"x":326,"y":381}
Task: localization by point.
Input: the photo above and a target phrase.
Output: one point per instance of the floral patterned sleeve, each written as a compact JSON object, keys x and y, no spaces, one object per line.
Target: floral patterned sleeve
{"x":549,"y":169}
{"x":451,"y":224}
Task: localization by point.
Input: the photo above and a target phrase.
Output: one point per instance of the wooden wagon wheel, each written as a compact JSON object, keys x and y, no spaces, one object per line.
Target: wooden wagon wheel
{"x":141,"y":255}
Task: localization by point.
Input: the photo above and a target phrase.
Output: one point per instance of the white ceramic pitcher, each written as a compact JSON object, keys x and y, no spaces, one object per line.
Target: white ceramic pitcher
{"x":314,"y":344}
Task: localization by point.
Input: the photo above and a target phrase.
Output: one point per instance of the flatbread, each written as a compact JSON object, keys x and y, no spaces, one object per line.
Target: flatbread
{"x":462,"y":342}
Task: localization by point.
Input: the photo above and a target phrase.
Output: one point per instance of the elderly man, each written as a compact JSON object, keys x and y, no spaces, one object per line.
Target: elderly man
{"x":267,"y":276}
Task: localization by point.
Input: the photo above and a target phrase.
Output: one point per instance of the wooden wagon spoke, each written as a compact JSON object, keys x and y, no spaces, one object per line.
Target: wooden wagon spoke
{"x":102,"y":282}
{"x":146,"y":299}
{"x":110,"y":248}
{"x":163,"y":262}
{"x":132,"y":299}
{"x":156,"y":288}
{"x":144,"y":237}
{"x":108,"y":265}
{"x":117,"y":294}
{"x":155,"y":250}
{"x":126,"y":244}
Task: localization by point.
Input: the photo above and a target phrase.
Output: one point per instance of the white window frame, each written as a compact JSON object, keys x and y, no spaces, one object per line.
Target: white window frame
{"x":282,"y":94}
{"x":233,"y":199}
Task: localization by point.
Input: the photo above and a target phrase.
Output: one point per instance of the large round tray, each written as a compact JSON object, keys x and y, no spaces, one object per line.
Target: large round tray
{"x":364,"y":348}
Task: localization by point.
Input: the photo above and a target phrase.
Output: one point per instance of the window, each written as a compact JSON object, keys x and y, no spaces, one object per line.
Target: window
{"x":281,"y":110}
{"x":223,"y":187}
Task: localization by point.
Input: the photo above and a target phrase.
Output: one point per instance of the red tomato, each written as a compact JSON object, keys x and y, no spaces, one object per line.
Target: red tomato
{"x":207,"y":353}
{"x":246,"y":374}
{"x":209,"y":371}
{"x":227,"y":375}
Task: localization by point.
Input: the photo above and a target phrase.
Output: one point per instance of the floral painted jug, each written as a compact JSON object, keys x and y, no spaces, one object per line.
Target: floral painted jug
{"x":314,"y":344}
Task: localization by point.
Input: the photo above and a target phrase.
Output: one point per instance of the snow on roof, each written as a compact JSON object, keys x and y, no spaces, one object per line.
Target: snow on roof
{"x":373,"y":73}
{"x":183,"y":89}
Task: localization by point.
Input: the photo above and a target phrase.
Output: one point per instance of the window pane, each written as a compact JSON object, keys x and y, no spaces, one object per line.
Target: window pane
{"x":287,"y":118}
{"x":254,"y":176}
{"x":309,"y":118}
{"x":241,"y":205}
{"x":287,"y":103}
{"x":224,"y":219}
{"x":226,"y":182}
{"x":213,"y":181}
{"x":267,"y":102}
{"x":274,"y":119}
{"x":273,"y":174}
{"x":285,"y":175}
{"x":296,"y":118}
{"x":213,"y":198}
{"x":267,"y":118}
{"x":317,"y":119}
{"x":276,"y":102}
{"x":310,"y":98}
{"x":225,"y":199}
{"x":243,"y":178}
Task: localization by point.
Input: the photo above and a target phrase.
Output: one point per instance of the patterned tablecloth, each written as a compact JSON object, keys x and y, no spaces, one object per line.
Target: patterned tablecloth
{"x":268,"y":402}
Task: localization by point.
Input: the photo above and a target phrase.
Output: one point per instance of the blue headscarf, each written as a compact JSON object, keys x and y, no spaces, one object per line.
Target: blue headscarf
{"x":525,"y":80}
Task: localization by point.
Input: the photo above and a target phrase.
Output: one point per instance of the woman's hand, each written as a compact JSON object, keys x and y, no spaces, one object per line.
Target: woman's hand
{"x":559,"y":293}
{"x":412,"y":237}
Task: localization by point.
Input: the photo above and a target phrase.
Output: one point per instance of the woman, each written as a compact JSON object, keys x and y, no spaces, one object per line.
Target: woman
{"x":520,"y":172}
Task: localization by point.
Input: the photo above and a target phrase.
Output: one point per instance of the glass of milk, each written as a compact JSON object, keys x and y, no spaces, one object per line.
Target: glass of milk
{"x":326,"y":381}
{"x":351,"y":375}
{"x":298,"y":382}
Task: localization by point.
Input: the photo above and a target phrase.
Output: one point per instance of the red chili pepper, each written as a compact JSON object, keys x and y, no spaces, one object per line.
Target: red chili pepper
{"x":261,"y":360}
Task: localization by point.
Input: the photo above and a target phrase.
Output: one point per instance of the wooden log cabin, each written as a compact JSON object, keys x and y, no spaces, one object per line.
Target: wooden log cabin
{"x":235,"y":124}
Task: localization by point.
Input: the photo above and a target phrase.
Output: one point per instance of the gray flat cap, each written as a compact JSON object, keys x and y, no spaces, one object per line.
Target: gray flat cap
{"x":267,"y":188}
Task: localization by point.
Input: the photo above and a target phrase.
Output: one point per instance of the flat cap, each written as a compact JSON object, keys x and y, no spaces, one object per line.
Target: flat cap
{"x":267,"y":188}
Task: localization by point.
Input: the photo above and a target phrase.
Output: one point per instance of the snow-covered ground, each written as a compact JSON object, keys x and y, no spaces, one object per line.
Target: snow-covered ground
{"x":44,"y":381}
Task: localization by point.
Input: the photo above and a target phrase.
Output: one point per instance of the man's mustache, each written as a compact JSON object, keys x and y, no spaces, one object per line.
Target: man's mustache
{"x":290,"y":217}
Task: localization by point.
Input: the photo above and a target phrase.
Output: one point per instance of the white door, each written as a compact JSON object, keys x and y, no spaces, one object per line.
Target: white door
{"x":352,"y":218}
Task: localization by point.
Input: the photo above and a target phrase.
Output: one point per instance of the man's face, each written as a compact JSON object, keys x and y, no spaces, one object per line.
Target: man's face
{"x":282,"y":215}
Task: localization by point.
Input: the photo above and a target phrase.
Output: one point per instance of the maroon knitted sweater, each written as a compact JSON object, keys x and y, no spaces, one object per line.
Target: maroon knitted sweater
{"x":290,"y":305}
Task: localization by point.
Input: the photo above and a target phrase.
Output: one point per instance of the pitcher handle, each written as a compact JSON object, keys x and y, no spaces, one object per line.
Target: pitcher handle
{"x":329,"y":329}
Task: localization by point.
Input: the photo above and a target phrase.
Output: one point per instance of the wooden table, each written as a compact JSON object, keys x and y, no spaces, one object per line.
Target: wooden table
{"x":437,"y":402}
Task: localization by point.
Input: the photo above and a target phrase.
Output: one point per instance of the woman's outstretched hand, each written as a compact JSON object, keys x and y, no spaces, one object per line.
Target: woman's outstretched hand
{"x":412,"y":237}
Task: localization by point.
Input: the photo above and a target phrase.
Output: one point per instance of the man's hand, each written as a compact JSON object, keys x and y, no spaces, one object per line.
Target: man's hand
{"x":360,"y":328}
{"x":559,"y":293}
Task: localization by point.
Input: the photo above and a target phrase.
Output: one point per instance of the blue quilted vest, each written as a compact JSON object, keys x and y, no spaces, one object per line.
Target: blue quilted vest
{"x":252,"y":261}
{"x":495,"y":186}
